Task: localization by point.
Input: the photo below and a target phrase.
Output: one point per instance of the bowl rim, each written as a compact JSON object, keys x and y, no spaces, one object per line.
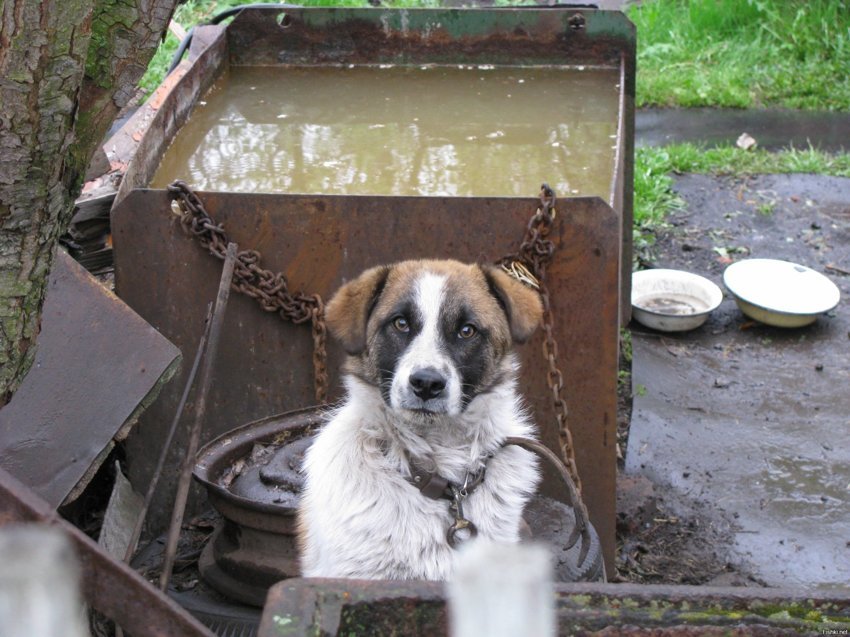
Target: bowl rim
{"x":774,"y":310}
{"x":715,"y":292}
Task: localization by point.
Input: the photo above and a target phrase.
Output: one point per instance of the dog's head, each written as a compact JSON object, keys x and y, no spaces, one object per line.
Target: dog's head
{"x":432,"y":335}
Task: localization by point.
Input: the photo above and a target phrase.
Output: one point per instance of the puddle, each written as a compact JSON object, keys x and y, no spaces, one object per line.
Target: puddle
{"x":801,"y":488}
{"x":772,"y":128}
{"x":449,"y":131}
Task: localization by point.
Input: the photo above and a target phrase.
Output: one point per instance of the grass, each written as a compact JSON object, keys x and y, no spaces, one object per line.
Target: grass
{"x":743,"y":53}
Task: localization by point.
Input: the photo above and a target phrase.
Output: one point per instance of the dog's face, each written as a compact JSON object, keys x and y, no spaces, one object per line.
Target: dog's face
{"x":432,"y":335}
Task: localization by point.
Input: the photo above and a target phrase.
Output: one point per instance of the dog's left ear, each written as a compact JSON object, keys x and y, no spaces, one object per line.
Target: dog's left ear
{"x":521,"y":303}
{"x":347,"y":313}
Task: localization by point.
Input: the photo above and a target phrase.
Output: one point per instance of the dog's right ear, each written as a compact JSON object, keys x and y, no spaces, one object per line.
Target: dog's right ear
{"x":347,"y":313}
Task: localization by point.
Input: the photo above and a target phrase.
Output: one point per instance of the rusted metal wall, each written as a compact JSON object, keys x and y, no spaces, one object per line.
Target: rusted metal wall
{"x":509,"y":36}
{"x":264,"y":364}
{"x":138,"y":146}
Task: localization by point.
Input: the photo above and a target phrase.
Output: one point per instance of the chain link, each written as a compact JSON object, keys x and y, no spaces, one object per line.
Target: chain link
{"x":269,"y":289}
{"x":528,"y":264}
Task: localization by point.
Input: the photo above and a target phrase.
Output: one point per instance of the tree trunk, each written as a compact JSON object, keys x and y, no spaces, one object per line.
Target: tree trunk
{"x":66,"y":68}
{"x":125,"y":35}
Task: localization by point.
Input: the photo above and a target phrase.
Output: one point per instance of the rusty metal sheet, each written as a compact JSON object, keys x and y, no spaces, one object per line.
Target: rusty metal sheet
{"x":97,"y":365}
{"x":302,"y":607}
{"x":553,"y":35}
{"x":109,"y":586}
{"x":137,"y":147}
{"x":264,"y":365}
{"x":511,"y":36}
{"x":339,"y":607}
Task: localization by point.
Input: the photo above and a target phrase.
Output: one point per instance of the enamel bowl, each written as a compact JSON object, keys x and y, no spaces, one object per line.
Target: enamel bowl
{"x":673,"y":300}
{"x":780,"y":293}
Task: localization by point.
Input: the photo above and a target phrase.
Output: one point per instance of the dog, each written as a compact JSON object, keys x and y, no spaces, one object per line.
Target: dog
{"x":411,"y":465}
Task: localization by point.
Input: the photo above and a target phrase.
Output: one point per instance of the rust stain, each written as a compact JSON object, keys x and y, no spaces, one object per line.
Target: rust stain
{"x":322,"y":241}
{"x":167,"y":84}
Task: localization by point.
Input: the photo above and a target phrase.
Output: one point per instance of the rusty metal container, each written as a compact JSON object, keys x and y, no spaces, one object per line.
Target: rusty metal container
{"x":255,"y":545}
{"x":320,"y":240}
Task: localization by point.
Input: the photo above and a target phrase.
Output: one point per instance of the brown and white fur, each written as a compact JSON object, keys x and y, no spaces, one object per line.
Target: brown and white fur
{"x":431,"y":375}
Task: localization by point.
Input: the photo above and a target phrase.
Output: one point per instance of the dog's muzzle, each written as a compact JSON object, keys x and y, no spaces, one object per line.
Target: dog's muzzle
{"x":427,"y":383}
{"x":426,"y":390}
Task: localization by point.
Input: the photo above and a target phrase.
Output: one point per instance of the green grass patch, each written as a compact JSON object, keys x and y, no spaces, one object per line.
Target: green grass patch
{"x":731,"y":160}
{"x":743,"y":53}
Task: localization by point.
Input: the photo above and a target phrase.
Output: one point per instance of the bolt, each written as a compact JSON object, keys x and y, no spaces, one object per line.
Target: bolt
{"x":577,"y":22}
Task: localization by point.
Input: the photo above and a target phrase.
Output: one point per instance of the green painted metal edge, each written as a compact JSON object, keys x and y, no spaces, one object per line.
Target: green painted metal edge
{"x":474,"y":22}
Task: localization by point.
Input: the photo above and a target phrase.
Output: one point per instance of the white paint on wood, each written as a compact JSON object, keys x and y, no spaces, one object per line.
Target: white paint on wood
{"x":39,"y":584}
{"x":502,"y":590}
{"x":123,"y":509}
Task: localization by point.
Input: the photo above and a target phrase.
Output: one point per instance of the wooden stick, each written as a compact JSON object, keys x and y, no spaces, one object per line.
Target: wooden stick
{"x":177,"y":30}
{"x":185,"y":478}
{"x":835,"y":268}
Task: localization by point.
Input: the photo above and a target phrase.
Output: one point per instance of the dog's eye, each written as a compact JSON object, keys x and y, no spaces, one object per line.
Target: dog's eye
{"x":467,"y":331}
{"x":401,"y":324}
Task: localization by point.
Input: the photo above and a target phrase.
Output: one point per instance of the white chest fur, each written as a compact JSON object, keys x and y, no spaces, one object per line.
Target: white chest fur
{"x":362,"y":518}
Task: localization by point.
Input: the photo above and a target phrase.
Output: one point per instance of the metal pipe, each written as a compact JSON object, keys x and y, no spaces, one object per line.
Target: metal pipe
{"x":140,"y":520}
{"x":216,"y":19}
{"x":185,"y":478}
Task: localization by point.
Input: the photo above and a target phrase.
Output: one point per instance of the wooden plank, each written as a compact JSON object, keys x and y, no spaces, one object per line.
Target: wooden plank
{"x":97,"y":366}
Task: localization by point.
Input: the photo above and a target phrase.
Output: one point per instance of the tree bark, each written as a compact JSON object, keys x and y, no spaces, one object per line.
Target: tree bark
{"x":125,"y":35}
{"x":66,"y":69}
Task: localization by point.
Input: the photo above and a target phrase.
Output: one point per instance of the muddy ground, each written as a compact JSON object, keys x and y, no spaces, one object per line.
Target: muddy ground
{"x":735,"y":472}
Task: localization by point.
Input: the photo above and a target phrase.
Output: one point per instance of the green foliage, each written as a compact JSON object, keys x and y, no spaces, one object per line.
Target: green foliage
{"x":725,"y":160}
{"x":743,"y":53}
{"x":195,"y":12}
{"x":654,"y":198}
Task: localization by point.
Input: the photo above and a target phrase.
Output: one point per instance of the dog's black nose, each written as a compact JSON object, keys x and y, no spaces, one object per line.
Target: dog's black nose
{"x":427,"y":383}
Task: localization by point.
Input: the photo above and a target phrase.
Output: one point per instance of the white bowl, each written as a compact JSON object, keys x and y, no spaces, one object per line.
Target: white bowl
{"x":780,"y":293}
{"x":673,"y":300}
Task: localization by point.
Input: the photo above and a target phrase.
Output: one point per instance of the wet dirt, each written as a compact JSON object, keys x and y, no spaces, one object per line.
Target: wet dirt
{"x":741,"y":429}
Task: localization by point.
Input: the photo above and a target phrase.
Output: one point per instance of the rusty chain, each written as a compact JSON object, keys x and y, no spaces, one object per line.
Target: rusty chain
{"x":528,"y":264}
{"x":269,"y":289}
